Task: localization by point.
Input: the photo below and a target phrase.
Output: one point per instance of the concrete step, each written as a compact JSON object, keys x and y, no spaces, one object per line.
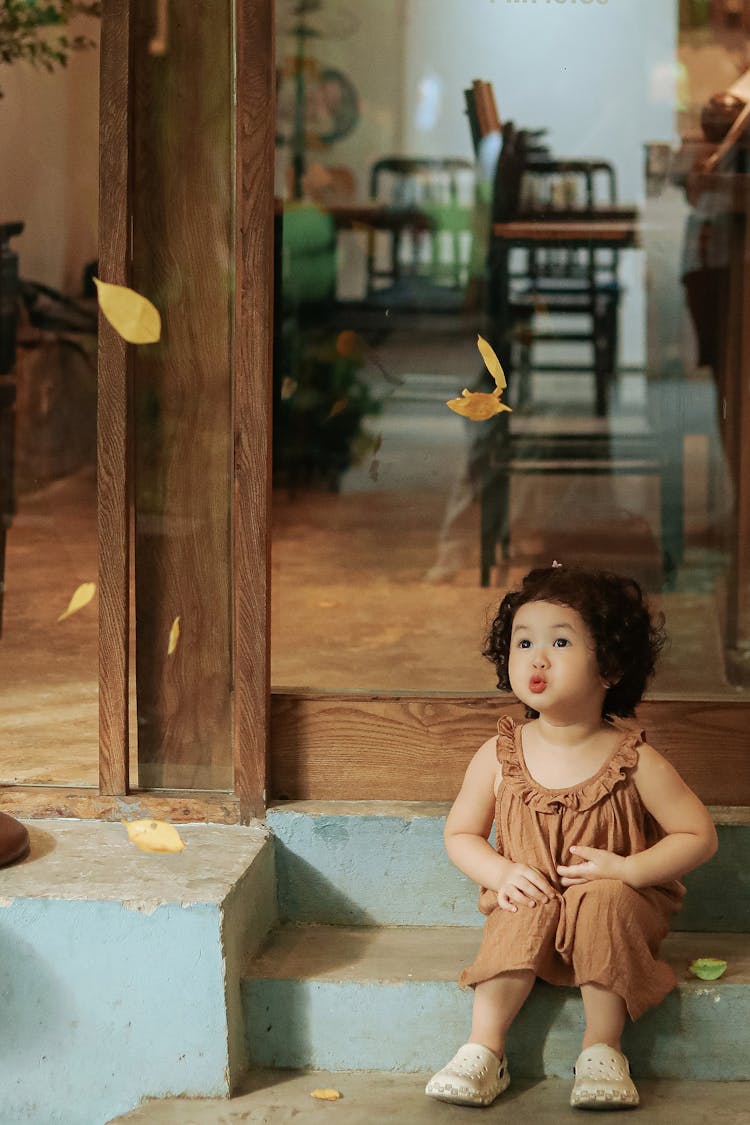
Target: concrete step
{"x":277,"y":1097}
{"x":120,"y":970}
{"x":369,"y":863}
{"x":385,"y":998}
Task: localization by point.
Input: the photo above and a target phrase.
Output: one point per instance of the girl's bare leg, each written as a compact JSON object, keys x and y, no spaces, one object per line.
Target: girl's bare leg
{"x":497,"y":1002}
{"x":605,"y":1016}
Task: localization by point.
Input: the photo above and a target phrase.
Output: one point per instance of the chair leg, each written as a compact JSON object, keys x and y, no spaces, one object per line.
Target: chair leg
{"x":672,"y":520}
{"x":494,"y":522}
{"x":605,"y":352}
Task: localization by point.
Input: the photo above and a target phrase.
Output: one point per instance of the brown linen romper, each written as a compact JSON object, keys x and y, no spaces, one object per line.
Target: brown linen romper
{"x":602,"y":932}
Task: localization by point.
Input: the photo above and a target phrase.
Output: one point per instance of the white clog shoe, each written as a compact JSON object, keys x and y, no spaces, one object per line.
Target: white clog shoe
{"x":474,"y":1076}
{"x":603,"y":1080}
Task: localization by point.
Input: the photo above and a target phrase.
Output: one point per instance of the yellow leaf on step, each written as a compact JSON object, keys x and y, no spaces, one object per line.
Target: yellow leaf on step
{"x":476,"y":405}
{"x":132,"y":316}
{"x":81,"y":597}
{"x":154,"y":835}
{"x":492,"y":363}
{"x":174,"y":636}
{"x":326,"y":1095}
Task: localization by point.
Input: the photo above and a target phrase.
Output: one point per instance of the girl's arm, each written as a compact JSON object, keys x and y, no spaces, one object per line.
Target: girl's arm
{"x":468,"y":826}
{"x":690,"y":836}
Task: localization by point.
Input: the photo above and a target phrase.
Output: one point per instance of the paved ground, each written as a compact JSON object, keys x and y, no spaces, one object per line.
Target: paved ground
{"x":278,"y":1097}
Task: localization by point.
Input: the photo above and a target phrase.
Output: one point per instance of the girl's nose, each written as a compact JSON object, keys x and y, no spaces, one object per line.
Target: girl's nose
{"x":539,"y":660}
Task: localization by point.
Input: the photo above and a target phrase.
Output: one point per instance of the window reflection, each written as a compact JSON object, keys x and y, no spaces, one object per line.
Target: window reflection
{"x":584,"y":236}
{"x":48,"y":548}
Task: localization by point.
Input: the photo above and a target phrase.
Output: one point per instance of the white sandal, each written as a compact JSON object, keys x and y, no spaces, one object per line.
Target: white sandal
{"x":603,"y":1080}
{"x":474,"y":1076}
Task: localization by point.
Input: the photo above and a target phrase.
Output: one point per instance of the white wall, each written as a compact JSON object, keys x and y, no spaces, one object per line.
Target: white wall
{"x":599,"y":76}
{"x":49,"y":141}
{"x":363,"y":39}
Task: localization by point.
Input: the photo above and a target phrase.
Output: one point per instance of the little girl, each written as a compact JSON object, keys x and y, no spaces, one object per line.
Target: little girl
{"x":593,"y":830}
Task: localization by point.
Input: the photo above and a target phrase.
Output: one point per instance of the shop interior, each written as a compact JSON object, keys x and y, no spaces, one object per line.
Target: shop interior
{"x":554,"y":179}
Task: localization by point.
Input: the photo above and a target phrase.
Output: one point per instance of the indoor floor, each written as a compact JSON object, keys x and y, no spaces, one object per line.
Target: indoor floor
{"x":365,"y":598}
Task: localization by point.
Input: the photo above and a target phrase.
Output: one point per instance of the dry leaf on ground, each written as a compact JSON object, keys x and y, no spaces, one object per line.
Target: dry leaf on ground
{"x":154,"y":835}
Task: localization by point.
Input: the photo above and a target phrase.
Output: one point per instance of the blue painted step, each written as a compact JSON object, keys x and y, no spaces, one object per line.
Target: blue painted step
{"x":120,"y":970}
{"x":385,"y":998}
{"x":383,"y":863}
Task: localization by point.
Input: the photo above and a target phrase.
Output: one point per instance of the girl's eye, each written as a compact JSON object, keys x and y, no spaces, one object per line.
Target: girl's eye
{"x":524,"y":644}
{"x":561,"y":642}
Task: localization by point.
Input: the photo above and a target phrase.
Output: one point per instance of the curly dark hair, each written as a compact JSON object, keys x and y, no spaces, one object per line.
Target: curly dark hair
{"x":627,"y":636}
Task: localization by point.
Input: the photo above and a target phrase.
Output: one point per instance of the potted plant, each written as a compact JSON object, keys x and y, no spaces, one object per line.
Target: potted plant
{"x":34,"y":31}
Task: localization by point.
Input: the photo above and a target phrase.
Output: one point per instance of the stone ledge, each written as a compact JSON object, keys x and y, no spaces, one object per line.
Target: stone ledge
{"x":93,"y":860}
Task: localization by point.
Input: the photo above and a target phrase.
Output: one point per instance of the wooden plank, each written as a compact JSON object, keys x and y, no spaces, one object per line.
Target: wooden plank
{"x":416,"y":748}
{"x":84,"y":804}
{"x":252,"y":400}
{"x":183,"y":200}
{"x":742,"y":410}
{"x":112,"y":405}
{"x":595,"y":231}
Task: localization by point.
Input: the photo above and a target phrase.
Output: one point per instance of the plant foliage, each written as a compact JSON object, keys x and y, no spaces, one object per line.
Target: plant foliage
{"x":35,"y":31}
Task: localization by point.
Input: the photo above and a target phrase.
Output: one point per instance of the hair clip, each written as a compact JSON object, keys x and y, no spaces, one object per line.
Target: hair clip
{"x":556,"y":563}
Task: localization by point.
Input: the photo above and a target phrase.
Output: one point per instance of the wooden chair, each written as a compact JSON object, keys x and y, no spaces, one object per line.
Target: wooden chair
{"x":593,"y":443}
{"x":559,"y":294}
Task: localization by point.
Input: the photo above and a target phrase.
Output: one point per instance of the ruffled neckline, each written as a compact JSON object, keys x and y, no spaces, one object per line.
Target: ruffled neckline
{"x":578,"y":797}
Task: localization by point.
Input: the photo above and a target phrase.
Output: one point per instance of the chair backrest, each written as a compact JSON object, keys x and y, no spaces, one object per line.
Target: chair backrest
{"x":437,"y":249}
{"x":409,"y":181}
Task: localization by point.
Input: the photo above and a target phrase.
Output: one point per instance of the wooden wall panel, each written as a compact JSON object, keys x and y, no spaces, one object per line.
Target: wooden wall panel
{"x":112,"y":405}
{"x":183,"y":199}
{"x":252,"y":402}
{"x":414,"y":748}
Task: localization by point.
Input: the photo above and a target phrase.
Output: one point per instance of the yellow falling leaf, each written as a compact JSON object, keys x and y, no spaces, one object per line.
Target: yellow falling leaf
{"x":288,"y":387}
{"x":476,"y":405}
{"x":174,"y":636}
{"x":154,"y":835}
{"x":81,"y":597}
{"x":492,"y":363}
{"x":130,"y":314}
{"x":326,"y":1095}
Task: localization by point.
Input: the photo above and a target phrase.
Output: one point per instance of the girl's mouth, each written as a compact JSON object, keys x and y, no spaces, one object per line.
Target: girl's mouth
{"x":537,"y":684}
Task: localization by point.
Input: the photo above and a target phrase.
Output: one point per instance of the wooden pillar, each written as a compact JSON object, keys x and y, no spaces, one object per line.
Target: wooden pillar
{"x":255,"y":130}
{"x":112,"y":405}
{"x":182,"y":161}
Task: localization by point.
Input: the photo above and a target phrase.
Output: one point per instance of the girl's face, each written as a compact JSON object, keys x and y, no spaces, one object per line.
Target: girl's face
{"x":552,"y":663}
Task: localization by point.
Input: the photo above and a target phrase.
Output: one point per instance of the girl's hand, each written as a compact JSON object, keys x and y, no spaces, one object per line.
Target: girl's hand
{"x":525,"y":886}
{"x":597,"y":864}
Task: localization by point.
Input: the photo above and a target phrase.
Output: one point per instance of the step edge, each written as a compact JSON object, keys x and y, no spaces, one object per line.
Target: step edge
{"x":679,"y":947}
{"x":412,"y":810}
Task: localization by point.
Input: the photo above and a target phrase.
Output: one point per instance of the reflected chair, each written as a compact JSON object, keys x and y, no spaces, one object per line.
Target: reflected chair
{"x":560,"y":294}
{"x":426,"y":262}
{"x":594,"y":442}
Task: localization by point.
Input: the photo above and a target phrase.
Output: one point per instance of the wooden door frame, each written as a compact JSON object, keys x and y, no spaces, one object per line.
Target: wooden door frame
{"x":356,"y":746}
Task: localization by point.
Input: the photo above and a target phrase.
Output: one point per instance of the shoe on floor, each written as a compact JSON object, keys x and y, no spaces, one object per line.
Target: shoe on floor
{"x":603,"y":1080}
{"x":474,"y":1076}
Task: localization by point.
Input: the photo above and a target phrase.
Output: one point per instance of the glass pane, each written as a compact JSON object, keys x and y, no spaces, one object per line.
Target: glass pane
{"x":48,"y":548}
{"x":182,"y":207}
{"x":583,"y":241}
